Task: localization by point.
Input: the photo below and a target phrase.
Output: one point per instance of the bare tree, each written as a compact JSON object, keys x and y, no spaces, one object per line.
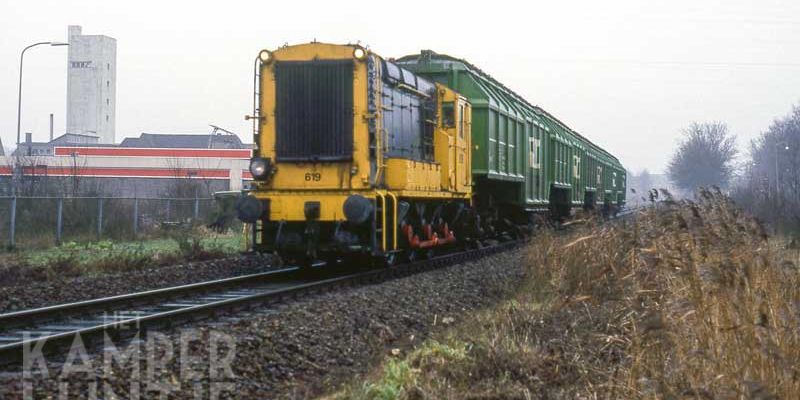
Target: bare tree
{"x":770,"y":183}
{"x":704,"y":157}
{"x":185,"y":182}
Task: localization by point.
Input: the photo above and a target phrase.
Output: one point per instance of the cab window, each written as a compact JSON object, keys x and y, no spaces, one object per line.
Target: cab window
{"x":448,"y":115}
{"x":461,"y":118}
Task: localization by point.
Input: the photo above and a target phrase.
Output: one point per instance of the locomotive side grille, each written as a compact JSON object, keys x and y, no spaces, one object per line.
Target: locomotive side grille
{"x":314,"y":110}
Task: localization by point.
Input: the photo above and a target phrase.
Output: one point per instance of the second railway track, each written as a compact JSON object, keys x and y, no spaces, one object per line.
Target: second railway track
{"x":52,"y":329}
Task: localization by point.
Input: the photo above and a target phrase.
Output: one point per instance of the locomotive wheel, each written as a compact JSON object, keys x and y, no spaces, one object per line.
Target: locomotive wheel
{"x":386,"y":260}
{"x":412,"y":256}
{"x":418,"y":254}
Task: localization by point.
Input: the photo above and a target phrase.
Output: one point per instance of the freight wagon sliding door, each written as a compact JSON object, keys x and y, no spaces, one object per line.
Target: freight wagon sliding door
{"x":546,"y":165}
{"x":491,"y":133}
{"x":502,"y":144}
{"x":530,"y":170}
{"x":535,"y":180}
{"x":577,"y":176}
{"x":601,"y":193}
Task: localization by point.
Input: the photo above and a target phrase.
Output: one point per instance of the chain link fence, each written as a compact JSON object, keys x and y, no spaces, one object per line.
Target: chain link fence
{"x":45,"y":221}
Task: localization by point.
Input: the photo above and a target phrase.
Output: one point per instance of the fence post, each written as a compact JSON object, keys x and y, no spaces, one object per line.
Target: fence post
{"x":13,"y":223}
{"x":59,"y":225}
{"x":99,"y":218}
{"x":196,"y":207}
{"x":135,"y":217}
{"x":169,"y":203}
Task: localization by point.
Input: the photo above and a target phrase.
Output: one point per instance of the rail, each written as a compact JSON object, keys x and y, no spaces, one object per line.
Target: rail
{"x":51,"y":328}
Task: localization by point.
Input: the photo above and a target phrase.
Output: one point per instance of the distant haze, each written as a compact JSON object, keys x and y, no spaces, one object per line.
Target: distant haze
{"x":628,"y":74}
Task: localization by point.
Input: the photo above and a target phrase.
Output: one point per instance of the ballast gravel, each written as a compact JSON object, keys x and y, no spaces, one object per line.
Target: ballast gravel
{"x":46,"y":292}
{"x":295,"y":349}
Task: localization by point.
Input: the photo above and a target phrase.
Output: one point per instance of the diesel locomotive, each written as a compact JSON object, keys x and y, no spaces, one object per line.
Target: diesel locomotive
{"x":359,"y":156}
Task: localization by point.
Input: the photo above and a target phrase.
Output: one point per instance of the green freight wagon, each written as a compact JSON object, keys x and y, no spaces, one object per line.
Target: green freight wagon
{"x":523,"y":158}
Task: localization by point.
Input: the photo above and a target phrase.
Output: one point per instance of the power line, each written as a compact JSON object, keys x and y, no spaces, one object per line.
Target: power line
{"x":673,"y":63}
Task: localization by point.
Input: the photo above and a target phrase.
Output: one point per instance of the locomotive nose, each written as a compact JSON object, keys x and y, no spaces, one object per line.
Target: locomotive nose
{"x":249,"y":209}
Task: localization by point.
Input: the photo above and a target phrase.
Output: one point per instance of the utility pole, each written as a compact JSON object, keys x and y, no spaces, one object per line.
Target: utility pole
{"x":777,"y":170}
{"x":19,"y":97}
{"x":17,"y":166}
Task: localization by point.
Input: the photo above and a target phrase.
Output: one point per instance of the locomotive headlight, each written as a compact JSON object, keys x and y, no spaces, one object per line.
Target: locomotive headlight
{"x":265,"y":56}
{"x":260,"y":168}
{"x":357,"y":209}
{"x":359,"y":53}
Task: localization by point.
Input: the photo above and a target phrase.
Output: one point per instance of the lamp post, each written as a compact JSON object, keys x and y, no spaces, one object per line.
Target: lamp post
{"x":19,"y":98}
{"x":17,"y":168}
{"x":777,"y":171}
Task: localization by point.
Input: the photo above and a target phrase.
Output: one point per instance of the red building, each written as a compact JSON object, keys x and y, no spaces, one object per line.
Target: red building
{"x":150,"y":165}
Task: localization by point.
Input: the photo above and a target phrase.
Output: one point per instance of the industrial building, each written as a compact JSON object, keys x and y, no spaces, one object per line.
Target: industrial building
{"x":151,"y":165}
{"x":91,"y":85}
{"x":86,"y":159}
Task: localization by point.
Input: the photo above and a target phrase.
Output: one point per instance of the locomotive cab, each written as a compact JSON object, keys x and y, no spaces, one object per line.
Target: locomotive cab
{"x":354,"y":156}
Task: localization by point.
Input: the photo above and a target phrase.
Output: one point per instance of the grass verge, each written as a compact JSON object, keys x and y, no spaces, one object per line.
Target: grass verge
{"x":688,"y":300}
{"x":92,"y":258}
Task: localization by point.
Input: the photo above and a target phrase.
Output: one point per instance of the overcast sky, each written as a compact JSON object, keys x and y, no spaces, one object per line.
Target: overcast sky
{"x":627,"y":74}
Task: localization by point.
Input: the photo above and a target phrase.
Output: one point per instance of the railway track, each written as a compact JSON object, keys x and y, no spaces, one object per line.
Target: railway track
{"x":53,"y":329}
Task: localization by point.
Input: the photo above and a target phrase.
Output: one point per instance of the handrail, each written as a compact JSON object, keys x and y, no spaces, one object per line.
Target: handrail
{"x":383,"y":218}
{"x":394,"y":220}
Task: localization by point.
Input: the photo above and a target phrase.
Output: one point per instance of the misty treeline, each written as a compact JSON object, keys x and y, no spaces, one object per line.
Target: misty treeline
{"x":768,"y":184}
{"x":765,"y":179}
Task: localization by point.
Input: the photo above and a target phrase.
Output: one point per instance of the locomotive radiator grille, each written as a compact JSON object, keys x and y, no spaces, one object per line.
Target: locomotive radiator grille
{"x":314,"y":110}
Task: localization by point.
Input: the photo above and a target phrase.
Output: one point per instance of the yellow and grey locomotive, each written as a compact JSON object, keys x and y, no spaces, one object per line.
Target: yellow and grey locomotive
{"x":355,"y":156}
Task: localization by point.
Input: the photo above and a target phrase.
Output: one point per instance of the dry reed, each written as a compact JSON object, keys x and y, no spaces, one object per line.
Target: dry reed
{"x":686,"y":300}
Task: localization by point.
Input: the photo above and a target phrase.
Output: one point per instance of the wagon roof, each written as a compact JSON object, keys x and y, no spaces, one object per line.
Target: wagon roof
{"x":477,"y":71}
